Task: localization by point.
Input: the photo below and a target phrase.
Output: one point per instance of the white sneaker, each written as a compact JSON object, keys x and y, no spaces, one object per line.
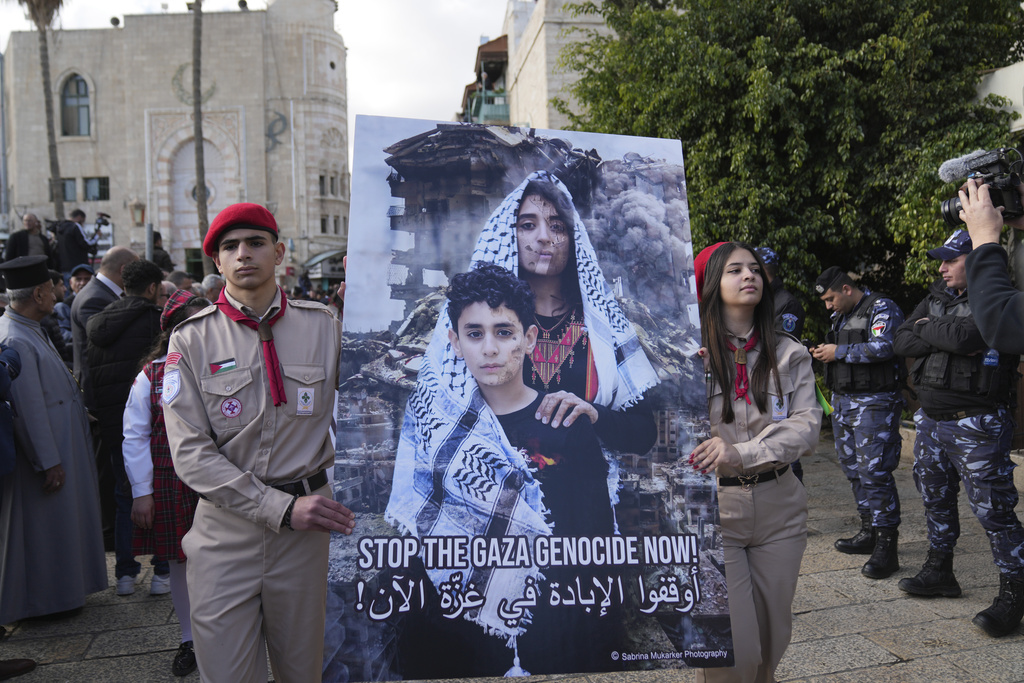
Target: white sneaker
{"x":160,"y":585}
{"x":126,"y":585}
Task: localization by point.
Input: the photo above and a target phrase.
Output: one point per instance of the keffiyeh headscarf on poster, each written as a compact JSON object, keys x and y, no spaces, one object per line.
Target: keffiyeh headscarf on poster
{"x":623,"y":371}
{"x":456,"y":474}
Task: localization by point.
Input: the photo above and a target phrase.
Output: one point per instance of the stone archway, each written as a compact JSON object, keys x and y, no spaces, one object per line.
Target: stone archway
{"x":184,"y":218}
{"x":172,"y":171}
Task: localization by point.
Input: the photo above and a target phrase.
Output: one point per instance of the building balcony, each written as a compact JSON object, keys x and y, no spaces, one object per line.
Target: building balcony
{"x":489,"y":107}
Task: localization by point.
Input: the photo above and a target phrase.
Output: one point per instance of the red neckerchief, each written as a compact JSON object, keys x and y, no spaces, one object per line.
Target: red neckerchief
{"x":267,"y":337}
{"x":742,"y":381}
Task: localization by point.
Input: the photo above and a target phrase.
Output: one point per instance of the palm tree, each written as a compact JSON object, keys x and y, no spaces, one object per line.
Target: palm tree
{"x":42,"y":13}
{"x":197,"y":130}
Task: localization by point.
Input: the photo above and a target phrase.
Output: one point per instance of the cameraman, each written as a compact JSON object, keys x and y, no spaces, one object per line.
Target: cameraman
{"x":74,"y":244}
{"x":998,"y":307}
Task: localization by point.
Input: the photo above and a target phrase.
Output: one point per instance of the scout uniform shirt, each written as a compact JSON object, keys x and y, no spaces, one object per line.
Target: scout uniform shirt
{"x":787,"y":430}
{"x":229,"y":441}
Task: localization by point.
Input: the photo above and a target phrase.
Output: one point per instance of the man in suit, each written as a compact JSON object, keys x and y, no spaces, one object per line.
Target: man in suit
{"x":100,"y":291}
{"x":30,"y":241}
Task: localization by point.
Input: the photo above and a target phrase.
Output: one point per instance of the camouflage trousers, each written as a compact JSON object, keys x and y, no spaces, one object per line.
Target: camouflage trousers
{"x":867,"y":432}
{"x":975,"y":451}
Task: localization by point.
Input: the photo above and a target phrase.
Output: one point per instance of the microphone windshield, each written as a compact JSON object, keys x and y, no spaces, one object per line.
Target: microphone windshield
{"x":959,"y":168}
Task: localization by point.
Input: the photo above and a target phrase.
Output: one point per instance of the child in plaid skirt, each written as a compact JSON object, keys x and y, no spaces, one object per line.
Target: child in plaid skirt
{"x":163,"y":506}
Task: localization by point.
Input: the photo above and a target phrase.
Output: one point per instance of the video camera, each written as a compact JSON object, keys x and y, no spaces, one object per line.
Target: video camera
{"x":102,"y":218}
{"x":992,"y":168}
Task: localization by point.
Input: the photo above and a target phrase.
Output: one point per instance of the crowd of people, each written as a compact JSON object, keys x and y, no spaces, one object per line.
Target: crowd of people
{"x":191,"y":419}
{"x":87,"y":465}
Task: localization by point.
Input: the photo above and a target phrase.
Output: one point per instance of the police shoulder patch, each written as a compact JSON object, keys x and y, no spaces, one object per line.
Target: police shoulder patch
{"x":172,"y":384}
{"x":878,"y":328}
{"x":789,"y":322}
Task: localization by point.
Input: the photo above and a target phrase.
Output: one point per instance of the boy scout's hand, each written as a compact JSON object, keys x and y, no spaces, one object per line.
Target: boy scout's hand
{"x":319,"y":513}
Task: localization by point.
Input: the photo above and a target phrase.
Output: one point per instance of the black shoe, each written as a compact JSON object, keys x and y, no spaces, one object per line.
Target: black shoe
{"x":863,"y":543}
{"x":1006,"y":610}
{"x":185,"y":660}
{"x":883,"y":562}
{"x":9,"y":668}
{"x":935,"y":578}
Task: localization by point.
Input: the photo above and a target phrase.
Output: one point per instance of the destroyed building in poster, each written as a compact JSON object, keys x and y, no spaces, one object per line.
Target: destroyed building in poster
{"x":446,"y":182}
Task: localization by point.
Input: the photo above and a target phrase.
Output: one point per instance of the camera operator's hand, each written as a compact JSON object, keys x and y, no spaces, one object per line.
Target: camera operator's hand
{"x":984,"y":221}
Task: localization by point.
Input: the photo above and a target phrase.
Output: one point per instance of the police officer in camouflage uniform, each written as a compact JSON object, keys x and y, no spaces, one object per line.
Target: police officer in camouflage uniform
{"x":866,"y":379}
{"x":964,"y":431}
{"x":789,"y":314}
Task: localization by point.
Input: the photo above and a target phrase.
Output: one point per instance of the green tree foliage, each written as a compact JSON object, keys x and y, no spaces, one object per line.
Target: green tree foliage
{"x":813,"y":128}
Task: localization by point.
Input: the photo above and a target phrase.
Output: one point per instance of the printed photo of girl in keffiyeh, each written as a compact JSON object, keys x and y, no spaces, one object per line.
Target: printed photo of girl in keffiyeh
{"x":457,"y":472}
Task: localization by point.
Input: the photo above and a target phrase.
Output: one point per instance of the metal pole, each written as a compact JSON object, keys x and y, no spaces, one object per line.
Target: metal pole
{"x":149,"y":241}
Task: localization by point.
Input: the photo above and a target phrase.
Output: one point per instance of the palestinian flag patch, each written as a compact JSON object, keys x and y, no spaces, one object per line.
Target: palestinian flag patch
{"x":877,"y":329}
{"x":222,"y":366}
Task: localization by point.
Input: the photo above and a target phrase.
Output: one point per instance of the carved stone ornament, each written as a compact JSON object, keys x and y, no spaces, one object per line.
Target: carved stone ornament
{"x":185,"y":95}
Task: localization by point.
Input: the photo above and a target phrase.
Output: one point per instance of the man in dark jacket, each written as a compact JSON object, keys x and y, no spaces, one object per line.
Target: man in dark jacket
{"x":74,"y":245}
{"x":160,"y":255}
{"x":119,"y":337}
{"x":964,"y":434}
{"x":30,"y":241}
{"x":96,"y":295}
{"x":998,"y":306}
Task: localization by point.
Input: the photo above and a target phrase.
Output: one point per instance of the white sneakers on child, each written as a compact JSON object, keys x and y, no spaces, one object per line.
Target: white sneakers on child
{"x":160,"y":584}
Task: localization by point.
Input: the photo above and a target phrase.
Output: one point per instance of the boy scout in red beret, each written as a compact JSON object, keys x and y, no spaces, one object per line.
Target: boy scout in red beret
{"x":248,"y":398}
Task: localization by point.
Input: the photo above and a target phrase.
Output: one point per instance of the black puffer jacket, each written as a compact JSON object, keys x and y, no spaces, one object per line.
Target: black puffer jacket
{"x":119,"y":337}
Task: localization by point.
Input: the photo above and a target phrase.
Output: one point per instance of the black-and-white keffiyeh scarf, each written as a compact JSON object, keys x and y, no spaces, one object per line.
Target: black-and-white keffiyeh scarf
{"x":456,"y":474}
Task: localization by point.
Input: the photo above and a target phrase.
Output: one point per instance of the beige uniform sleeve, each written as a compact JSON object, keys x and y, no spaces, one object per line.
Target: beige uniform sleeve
{"x":784,"y":441}
{"x":198,"y":461}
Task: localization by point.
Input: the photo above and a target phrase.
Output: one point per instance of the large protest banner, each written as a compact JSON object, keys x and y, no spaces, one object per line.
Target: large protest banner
{"x":491,"y":544}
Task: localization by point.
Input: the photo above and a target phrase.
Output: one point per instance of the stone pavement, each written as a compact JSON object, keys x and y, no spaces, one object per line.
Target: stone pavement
{"x":847,"y":629}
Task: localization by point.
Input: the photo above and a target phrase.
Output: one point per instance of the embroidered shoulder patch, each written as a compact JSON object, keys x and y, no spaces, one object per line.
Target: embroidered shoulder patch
{"x":788,"y":322}
{"x":172,"y":359}
{"x":172,"y":383}
{"x":878,"y":328}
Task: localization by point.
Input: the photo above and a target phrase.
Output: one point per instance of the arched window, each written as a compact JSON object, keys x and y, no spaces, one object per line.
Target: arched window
{"x":75,"y":107}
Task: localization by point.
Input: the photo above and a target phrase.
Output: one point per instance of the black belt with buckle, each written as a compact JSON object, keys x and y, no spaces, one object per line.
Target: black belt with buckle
{"x":748,"y":481}
{"x":961,"y":414}
{"x":301,"y":487}
{"x":304,"y":486}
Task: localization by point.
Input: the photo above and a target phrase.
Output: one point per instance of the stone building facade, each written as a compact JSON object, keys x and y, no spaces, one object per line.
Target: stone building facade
{"x":274,"y":126}
{"x":537,"y":31}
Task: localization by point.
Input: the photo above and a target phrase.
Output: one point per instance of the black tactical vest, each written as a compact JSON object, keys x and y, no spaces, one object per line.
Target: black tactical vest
{"x":861,"y":378}
{"x":965,"y":374}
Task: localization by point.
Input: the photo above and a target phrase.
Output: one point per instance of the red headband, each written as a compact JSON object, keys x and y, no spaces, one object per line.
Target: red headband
{"x":700,"y":264}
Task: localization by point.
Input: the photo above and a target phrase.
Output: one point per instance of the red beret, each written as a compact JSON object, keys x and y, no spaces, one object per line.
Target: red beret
{"x":701,"y":263}
{"x":242,"y":215}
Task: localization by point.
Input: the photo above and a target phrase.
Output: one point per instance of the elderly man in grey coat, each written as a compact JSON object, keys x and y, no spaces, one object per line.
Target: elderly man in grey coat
{"x":51,"y":543}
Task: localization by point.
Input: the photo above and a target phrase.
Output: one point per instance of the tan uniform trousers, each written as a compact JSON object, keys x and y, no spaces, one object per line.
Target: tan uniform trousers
{"x":254,"y":590}
{"x":764,"y":531}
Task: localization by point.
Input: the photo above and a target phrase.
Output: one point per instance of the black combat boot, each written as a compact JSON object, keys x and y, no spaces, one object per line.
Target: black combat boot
{"x":935,"y":578}
{"x":883,"y":562}
{"x":863,"y":542}
{"x":1006,"y":610}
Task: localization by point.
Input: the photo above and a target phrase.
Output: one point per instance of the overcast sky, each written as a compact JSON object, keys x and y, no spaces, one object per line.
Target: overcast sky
{"x":408,"y":58}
